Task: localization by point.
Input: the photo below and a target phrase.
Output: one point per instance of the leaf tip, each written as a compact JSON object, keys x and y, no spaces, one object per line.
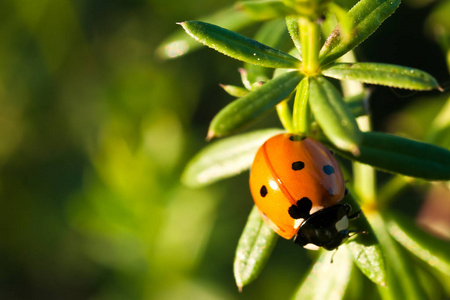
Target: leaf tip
{"x":355,"y":150}
{"x":239,"y":285}
{"x":210,"y":135}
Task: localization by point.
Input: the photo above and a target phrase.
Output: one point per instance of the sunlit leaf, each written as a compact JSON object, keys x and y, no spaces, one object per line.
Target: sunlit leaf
{"x":358,"y":104}
{"x":364,"y":247}
{"x":225,"y":158}
{"x":294,"y":31}
{"x":179,"y":43}
{"x":255,"y":246}
{"x":239,"y":46}
{"x":395,"y":154}
{"x":366,"y":16}
{"x":403,"y":282}
{"x":433,"y":251}
{"x":327,"y":280}
{"x":384,"y":74}
{"x":244,"y":110}
{"x":235,"y":91}
{"x":333,"y":115}
{"x":272,"y":34}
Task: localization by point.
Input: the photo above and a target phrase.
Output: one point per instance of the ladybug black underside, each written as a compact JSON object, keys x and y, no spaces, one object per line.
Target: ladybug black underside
{"x":327,"y":228}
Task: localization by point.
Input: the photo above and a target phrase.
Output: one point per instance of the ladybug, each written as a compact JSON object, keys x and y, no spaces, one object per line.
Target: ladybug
{"x":297,"y":185}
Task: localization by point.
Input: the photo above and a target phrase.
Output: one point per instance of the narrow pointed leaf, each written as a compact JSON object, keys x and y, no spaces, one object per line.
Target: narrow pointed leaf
{"x":383,"y":74}
{"x":254,"y":248}
{"x":333,"y":115}
{"x":264,"y":10}
{"x":225,"y":158}
{"x":327,"y":280}
{"x":365,"y":248}
{"x":246,"y":109}
{"x":358,"y":104}
{"x":294,"y":31}
{"x":344,"y":21}
{"x":366,"y":17}
{"x":272,"y":34}
{"x":433,"y":251}
{"x":395,"y":154}
{"x":179,"y":43}
{"x":235,"y":91}
{"x":238,"y":46}
{"x":403,"y":281}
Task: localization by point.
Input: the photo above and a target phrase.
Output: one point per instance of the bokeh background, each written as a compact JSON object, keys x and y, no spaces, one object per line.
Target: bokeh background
{"x":95,"y":131}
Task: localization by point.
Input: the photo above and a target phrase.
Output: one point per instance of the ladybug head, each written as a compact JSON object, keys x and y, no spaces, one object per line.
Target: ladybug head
{"x":327,"y":228}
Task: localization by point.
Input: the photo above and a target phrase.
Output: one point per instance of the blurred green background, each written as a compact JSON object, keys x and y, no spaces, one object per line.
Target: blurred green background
{"x":95,"y":131}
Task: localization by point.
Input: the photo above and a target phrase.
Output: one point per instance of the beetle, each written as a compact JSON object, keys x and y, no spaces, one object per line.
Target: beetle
{"x":297,"y":186}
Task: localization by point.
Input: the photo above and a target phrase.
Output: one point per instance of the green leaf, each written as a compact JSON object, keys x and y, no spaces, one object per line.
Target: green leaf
{"x":272,"y":34}
{"x":433,"y":251}
{"x":246,"y":109}
{"x":403,"y":282}
{"x":264,"y":10}
{"x":294,"y":31}
{"x":358,"y":104}
{"x":253,"y":250}
{"x":178,"y":43}
{"x":384,"y":74}
{"x":366,"y":16}
{"x":395,"y":154}
{"x":344,"y":21}
{"x":238,"y":46}
{"x":333,"y":115}
{"x":365,"y":248}
{"x":327,"y":280}
{"x":235,"y":91}
{"x":225,"y":158}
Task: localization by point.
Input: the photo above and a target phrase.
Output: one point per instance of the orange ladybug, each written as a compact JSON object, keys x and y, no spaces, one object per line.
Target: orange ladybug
{"x":297,"y":185}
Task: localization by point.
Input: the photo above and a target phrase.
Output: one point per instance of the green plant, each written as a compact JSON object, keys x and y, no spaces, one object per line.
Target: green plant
{"x":338,"y":119}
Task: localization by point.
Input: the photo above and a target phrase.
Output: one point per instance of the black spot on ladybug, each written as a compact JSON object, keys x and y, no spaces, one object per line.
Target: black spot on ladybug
{"x":297,"y":138}
{"x":328,"y":169}
{"x":298,"y":165}
{"x":263,"y":191}
{"x":301,"y":210}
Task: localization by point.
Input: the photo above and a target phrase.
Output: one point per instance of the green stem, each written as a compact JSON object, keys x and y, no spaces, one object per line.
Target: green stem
{"x":284,"y":114}
{"x":310,"y":43}
{"x":364,"y":178}
{"x":302,"y":112}
{"x":364,"y":175}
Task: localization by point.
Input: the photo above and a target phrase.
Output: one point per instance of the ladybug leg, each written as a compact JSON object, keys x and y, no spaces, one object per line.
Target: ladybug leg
{"x":348,"y":209}
{"x":354,"y":215}
{"x":346,"y":191}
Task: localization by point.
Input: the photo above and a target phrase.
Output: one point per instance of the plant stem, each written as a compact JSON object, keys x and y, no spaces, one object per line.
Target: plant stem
{"x":310,"y":43}
{"x":364,"y":179}
{"x":284,"y":114}
{"x":302,"y":112}
{"x":364,"y":175}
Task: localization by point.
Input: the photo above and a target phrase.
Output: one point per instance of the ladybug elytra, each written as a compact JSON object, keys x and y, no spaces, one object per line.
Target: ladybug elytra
{"x":297,"y":185}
